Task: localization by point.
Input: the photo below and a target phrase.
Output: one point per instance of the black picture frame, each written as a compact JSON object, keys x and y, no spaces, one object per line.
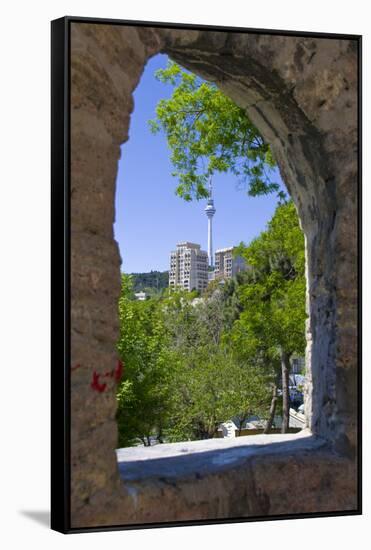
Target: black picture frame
{"x":61,"y":266}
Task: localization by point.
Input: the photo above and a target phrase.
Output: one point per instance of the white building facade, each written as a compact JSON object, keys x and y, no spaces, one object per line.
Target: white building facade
{"x":227,"y":266}
{"x":188,"y":267}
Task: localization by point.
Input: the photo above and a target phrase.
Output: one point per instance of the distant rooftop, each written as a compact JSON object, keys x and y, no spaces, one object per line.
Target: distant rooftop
{"x":188,"y":245}
{"x":228,"y":249}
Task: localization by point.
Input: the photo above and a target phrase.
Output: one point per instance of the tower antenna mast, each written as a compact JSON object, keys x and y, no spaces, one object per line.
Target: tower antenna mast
{"x":210,"y":211}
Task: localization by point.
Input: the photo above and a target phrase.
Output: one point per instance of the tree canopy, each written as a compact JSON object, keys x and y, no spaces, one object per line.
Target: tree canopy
{"x":208,"y":133}
{"x":274,"y":296}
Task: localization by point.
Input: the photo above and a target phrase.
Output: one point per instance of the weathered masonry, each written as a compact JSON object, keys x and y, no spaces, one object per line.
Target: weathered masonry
{"x":301,"y":93}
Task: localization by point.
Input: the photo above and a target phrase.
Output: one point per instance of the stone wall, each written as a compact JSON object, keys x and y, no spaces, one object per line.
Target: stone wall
{"x":301,"y":93}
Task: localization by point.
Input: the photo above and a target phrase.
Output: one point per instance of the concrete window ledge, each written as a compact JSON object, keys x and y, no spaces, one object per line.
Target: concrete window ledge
{"x":247,"y":476}
{"x":178,"y":460}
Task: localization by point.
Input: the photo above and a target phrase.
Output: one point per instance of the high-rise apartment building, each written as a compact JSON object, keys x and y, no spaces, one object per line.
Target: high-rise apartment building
{"x":188,"y":267}
{"x":227,"y":266}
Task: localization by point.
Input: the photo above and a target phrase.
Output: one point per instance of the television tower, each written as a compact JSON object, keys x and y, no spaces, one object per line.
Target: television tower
{"x":210,"y":211}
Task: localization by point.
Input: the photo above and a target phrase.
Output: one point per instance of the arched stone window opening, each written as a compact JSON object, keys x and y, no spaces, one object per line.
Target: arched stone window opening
{"x":301,"y":93}
{"x":150,"y":220}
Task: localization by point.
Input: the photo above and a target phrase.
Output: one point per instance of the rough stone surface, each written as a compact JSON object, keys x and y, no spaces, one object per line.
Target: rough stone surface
{"x":302,"y":95}
{"x":245,"y":477}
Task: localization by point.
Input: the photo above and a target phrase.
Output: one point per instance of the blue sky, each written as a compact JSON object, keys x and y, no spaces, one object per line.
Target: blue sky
{"x":150,"y":218}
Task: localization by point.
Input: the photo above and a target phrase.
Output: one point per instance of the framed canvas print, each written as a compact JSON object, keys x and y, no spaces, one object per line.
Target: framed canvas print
{"x":205,"y":274}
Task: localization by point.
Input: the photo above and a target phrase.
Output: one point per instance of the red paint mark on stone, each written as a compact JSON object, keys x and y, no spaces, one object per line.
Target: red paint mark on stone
{"x":115,"y":373}
{"x":96,"y":385}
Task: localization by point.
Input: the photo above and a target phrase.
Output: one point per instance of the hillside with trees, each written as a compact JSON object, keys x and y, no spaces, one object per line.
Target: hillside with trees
{"x":153,"y":280}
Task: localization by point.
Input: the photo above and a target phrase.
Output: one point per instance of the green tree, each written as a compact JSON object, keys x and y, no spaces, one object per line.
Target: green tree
{"x":208,"y":133}
{"x":212,"y":384}
{"x":144,"y":393}
{"x":273,"y":298}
